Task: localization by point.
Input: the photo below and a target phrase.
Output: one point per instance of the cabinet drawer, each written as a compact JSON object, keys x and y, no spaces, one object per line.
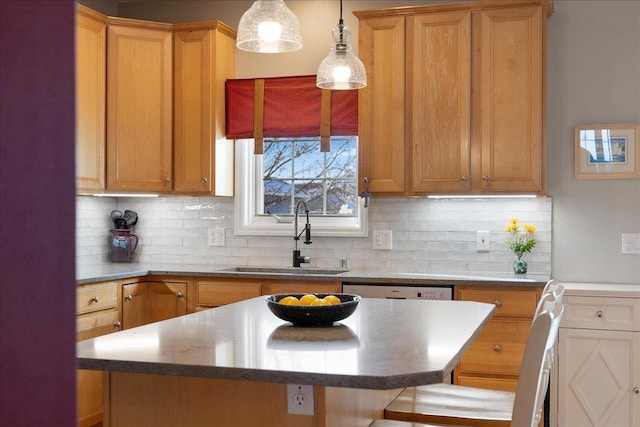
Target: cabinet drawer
{"x":213,"y":294}
{"x":96,"y":298}
{"x":508,"y":302}
{"x":620,"y":314}
{"x":85,"y":323}
{"x":488,"y":383}
{"x":498,"y":349}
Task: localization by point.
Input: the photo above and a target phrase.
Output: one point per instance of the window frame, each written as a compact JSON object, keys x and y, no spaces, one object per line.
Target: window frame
{"x":246,"y":199}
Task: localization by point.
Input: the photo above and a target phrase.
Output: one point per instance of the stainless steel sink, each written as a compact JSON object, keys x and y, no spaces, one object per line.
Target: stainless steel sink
{"x":285,"y":270}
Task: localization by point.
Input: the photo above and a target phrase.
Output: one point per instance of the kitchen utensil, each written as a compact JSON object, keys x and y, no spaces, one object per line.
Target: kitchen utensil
{"x":131,"y":217}
{"x":115,"y":214}
{"x":120,"y":223}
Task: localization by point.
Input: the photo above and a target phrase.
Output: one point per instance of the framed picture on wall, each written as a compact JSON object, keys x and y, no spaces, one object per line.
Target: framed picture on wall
{"x":607,"y":151}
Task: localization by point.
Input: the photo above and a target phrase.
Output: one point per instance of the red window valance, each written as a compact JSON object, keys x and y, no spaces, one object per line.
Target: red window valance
{"x":291,"y":108}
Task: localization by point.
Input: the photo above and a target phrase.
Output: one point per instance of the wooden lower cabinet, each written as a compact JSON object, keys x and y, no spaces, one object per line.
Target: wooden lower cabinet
{"x":98,"y":314}
{"x":152,"y":301}
{"x":493,"y":360}
{"x":279,"y":287}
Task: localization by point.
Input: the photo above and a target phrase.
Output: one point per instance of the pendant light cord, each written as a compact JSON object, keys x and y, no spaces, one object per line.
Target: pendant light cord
{"x":341,"y":25}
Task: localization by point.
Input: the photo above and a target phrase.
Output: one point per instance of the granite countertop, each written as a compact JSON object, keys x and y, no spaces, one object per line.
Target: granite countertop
{"x":372,"y":349}
{"x":102,"y":272}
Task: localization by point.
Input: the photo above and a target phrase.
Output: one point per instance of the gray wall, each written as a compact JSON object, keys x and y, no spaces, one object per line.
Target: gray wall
{"x":593,"y":77}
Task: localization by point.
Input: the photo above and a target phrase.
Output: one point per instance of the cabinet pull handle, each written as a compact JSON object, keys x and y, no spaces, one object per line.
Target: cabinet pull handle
{"x":167,"y":181}
{"x":498,"y":303}
{"x":117,"y":324}
{"x":205,"y":180}
{"x":95,"y":299}
{"x":179,"y":295}
{"x":485,"y":179}
{"x":636,"y":390}
{"x":129,"y":297}
{"x":464,"y":179}
{"x":365,"y":180}
{"x":497,"y":347}
{"x":599,"y":314}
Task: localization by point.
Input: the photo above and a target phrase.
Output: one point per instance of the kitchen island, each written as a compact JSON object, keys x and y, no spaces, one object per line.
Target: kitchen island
{"x":229,"y":366}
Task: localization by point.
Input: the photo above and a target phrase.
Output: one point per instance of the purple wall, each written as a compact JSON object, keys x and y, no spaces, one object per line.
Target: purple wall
{"x":37,"y":213}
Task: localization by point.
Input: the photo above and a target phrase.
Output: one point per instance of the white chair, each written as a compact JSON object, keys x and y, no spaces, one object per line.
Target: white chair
{"x":468,"y":406}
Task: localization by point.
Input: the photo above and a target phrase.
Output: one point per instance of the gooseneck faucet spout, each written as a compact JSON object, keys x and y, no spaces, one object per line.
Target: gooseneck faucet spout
{"x":297,"y":258}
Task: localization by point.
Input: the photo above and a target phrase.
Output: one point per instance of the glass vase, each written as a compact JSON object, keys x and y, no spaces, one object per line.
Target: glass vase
{"x":520,"y":266}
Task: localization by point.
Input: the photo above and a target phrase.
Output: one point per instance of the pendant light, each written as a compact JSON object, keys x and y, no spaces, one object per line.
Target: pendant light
{"x":342,"y":69}
{"x":269,"y":27}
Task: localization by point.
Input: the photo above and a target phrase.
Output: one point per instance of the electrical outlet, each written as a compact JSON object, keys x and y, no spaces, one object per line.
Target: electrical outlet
{"x":300,"y":399}
{"x":382,"y":240}
{"x":216,"y":236}
{"x":482,"y":241}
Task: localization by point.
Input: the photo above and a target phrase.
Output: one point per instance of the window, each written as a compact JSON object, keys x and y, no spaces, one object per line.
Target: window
{"x":268,"y":187}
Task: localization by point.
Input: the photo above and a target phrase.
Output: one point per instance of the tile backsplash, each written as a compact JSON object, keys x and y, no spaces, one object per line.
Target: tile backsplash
{"x":429,"y":235}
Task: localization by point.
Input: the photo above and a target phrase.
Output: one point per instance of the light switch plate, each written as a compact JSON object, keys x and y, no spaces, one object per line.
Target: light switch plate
{"x":382,"y":240}
{"x":483,"y":241}
{"x":631,"y":243}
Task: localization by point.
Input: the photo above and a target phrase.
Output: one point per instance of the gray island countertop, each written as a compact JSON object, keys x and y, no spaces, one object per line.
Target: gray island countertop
{"x":384,"y":344}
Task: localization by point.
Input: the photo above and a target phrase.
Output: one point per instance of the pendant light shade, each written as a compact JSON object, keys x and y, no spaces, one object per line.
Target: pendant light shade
{"x":342,"y":69}
{"x":269,"y":27}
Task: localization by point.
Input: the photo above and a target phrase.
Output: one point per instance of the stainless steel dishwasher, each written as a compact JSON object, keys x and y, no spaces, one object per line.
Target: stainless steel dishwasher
{"x":396,"y":291}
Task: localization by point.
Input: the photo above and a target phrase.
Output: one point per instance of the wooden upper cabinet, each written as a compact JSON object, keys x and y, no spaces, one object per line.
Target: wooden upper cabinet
{"x":439,"y":100}
{"x":509,"y":107}
{"x":139,"y":105}
{"x":203,"y":60}
{"x":465,"y":113}
{"x":381,"y":104}
{"x":91,"y":48}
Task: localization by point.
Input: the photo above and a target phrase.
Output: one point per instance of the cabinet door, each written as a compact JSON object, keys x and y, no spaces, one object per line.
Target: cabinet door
{"x":164,"y":300}
{"x":203,"y":157}
{"x":439,"y":100}
{"x":509,"y":108}
{"x":596,"y":375}
{"x":148,"y":302}
{"x":381,"y":105}
{"x":91,"y":51}
{"x":133,"y":299}
{"x":139,"y":108}
{"x":217,"y":292}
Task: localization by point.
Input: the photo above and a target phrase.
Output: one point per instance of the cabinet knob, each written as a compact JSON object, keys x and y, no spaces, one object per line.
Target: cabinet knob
{"x":129,"y":297}
{"x":464,"y":179}
{"x":498,"y":303}
{"x":205,"y":180}
{"x":167,"y":181}
{"x":365,"y":180}
{"x":117,"y":324}
{"x":599,"y":314}
{"x":636,"y":390}
{"x":179,"y":295}
{"x":485,"y":179}
{"x":95,"y":299}
{"x":497,"y":347}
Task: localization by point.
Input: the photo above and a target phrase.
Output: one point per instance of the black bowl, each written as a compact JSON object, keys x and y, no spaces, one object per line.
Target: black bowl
{"x":316,"y":315}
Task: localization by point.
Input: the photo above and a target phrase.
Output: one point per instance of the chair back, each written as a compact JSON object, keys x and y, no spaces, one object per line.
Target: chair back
{"x":538,"y":360}
{"x":552,"y":287}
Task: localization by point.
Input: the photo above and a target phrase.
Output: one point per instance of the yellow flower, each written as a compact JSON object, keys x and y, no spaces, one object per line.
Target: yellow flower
{"x":513,"y":220}
{"x":530,"y":228}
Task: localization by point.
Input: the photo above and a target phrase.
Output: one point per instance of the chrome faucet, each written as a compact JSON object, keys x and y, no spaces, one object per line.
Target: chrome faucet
{"x":297,"y":258}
